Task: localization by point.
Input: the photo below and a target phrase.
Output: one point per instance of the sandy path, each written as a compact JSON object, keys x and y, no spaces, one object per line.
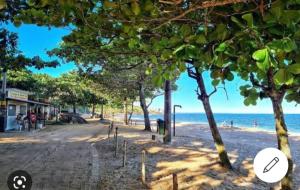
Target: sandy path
{"x":59,"y":157}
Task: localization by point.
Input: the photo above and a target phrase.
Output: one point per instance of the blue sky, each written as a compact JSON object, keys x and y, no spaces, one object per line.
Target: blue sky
{"x":35,"y":40}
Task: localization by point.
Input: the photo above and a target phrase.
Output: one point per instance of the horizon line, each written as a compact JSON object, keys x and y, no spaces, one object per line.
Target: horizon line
{"x":236,"y":113}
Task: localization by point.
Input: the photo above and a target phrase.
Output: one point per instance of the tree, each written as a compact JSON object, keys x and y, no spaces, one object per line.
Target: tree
{"x":12,"y":59}
{"x":158,"y":46}
{"x":272,"y":38}
{"x":264,"y":48}
{"x":127,"y":84}
{"x":70,"y":89}
{"x":94,"y":98}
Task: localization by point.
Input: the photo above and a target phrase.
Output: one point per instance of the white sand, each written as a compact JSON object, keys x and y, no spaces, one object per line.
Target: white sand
{"x":192,"y":155}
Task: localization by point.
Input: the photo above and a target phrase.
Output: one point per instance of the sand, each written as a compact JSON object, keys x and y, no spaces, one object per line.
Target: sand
{"x":192,"y":156}
{"x":82,"y":157}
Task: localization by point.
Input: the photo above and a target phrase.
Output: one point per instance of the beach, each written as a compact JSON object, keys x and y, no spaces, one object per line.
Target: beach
{"x":82,"y":157}
{"x":192,"y":156}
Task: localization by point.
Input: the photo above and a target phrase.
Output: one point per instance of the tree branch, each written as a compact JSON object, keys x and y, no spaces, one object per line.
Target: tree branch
{"x":225,"y":92}
{"x":255,"y":82}
{"x":204,"y":5}
{"x":214,"y":91}
{"x":155,"y":96}
{"x":191,"y":73}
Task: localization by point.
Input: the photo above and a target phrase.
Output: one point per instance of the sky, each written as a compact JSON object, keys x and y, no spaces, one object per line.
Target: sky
{"x":34,"y":40}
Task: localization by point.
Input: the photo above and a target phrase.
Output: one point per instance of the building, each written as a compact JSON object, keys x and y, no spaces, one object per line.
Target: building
{"x":18,"y":103}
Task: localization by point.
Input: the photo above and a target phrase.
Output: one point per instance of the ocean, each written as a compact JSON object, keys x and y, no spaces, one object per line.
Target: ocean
{"x":262,"y":121}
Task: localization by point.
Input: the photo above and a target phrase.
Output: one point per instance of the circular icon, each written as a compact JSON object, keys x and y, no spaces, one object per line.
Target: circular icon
{"x":270,"y":165}
{"x":19,"y":180}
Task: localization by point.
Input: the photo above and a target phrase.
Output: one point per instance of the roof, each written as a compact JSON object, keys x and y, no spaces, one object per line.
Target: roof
{"x":29,"y":101}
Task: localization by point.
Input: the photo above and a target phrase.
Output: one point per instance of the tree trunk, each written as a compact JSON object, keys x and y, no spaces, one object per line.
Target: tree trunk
{"x":131,"y":112}
{"x":204,"y":98}
{"x":93,"y":111}
{"x":102,"y":116}
{"x":144,"y":108}
{"x":4,"y":81}
{"x":125,"y":111}
{"x":167,"y":112}
{"x":283,"y":142}
{"x":74,"y":108}
{"x":216,"y":135}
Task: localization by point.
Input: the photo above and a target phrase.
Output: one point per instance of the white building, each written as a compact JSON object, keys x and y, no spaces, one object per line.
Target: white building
{"x":17,"y":102}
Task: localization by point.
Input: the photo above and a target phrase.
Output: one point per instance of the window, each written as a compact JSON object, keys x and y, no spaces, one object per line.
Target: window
{"x":11,"y":110}
{"x":23,"y":110}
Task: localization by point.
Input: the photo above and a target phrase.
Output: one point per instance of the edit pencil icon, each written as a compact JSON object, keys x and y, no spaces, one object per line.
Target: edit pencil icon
{"x":271,"y":164}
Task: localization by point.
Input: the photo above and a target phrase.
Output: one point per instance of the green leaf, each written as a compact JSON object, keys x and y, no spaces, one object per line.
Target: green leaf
{"x":2,"y":4}
{"x":148,"y":71}
{"x":249,"y":19}
{"x":229,"y":76}
{"x":109,"y":5}
{"x":148,"y":5}
{"x":181,"y":66}
{"x":132,"y":42}
{"x":295,"y":68}
{"x":247,"y":101}
{"x":201,"y":39}
{"x":290,"y":18}
{"x":293,"y":96}
{"x":282,"y":76}
{"x":260,"y":55}
{"x":191,"y":51}
{"x":166,"y":54}
{"x":185,"y":30}
{"x":215,"y":82}
{"x":135,"y":7}
{"x":221,"y":47}
{"x":289,"y":45}
{"x":180,"y":48}
{"x":265,"y":65}
{"x":221,"y":32}
{"x":126,"y":28}
{"x":276,"y":12}
{"x":215,"y":74}
{"x":262,"y":58}
{"x":174,"y":40}
{"x":158,"y":80}
{"x":153,"y":59}
{"x":286,"y":44}
{"x":234,"y":19}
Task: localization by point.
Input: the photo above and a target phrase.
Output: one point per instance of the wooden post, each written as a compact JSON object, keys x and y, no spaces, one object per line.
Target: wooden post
{"x":116,"y":136}
{"x":143,"y":169}
{"x":153,"y":137}
{"x":124,"y":153}
{"x":109,"y":130}
{"x":175,"y":182}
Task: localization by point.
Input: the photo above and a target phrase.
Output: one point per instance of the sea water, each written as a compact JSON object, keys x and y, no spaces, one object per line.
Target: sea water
{"x":261,"y":121}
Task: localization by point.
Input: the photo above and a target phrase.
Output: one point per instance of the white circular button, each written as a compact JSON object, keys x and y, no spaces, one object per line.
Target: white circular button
{"x":270,"y":165}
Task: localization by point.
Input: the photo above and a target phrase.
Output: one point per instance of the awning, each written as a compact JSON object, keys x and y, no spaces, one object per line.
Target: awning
{"x":29,"y":101}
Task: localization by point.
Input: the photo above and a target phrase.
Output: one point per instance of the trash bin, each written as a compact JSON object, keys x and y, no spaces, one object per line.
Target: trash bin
{"x":161,"y":126}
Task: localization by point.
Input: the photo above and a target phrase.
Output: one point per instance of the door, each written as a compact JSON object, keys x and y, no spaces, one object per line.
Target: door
{"x":11,"y":117}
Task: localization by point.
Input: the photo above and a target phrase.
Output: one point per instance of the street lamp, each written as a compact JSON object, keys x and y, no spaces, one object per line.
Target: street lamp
{"x":179,"y":106}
